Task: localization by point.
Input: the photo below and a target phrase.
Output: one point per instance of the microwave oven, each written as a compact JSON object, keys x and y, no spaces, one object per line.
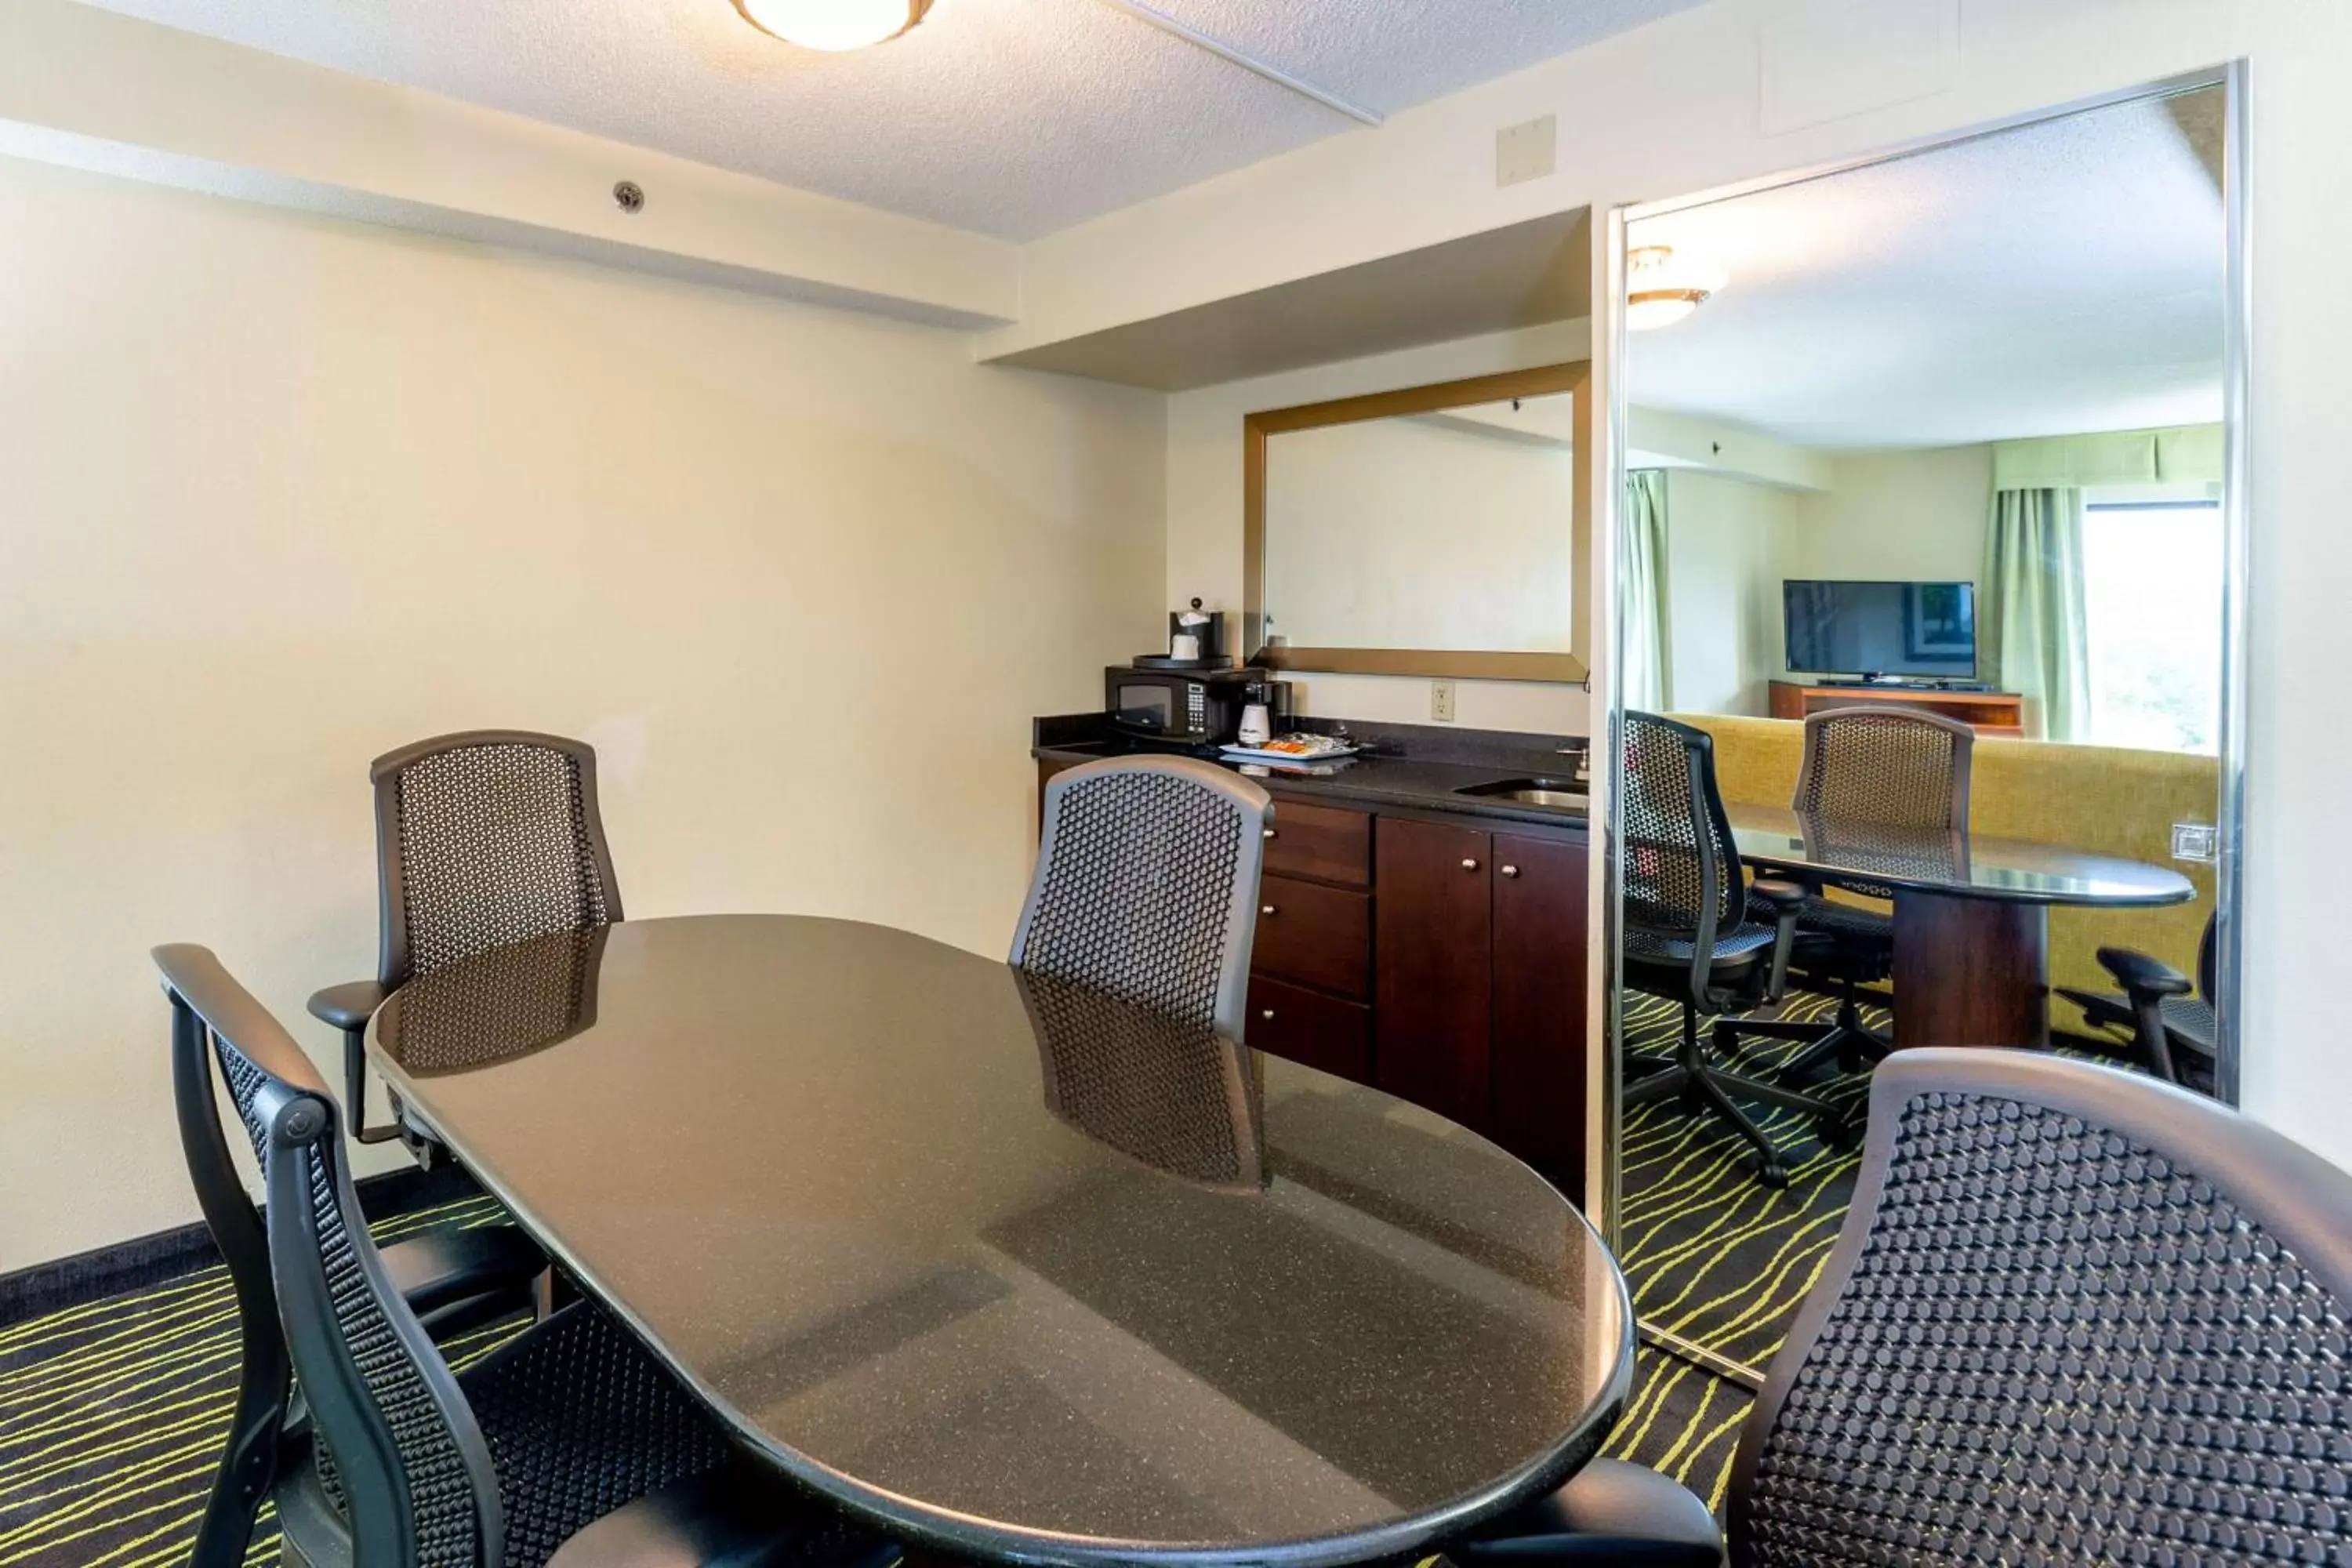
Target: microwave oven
{"x":1190,"y":706}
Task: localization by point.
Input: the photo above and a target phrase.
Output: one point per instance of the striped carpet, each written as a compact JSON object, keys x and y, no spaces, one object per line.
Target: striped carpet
{"x":1712,"y":1255}
{"x":112,"y":1412}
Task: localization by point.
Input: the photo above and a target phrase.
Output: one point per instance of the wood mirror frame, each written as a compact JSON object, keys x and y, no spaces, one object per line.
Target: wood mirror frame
{"x":1473,"y":663}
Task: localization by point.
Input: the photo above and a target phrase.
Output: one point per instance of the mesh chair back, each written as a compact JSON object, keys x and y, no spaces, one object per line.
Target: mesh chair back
{"x":2074,"y":1315}
{"x":1146,"y":884}
{"x":1683,"y":876}
{"x":1894,"y":767}
{"x":409,"y":1464}
{"x":486,"y":838}
{"x":1891,"y":766}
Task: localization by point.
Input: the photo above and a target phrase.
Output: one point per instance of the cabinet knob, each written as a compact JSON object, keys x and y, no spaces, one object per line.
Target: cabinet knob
{"x":1266,"y":1012}
{"x":1510,"y":871}
{"x":1266,"y":909}
{"x":1469,"y":865}
{"x":1266,"y":832}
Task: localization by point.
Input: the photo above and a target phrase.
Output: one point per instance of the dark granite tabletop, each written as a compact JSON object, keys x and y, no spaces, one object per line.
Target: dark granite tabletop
{"x":1960,"y":865}
{"x":1414,"y":767}
{"x":1012,"y":1268}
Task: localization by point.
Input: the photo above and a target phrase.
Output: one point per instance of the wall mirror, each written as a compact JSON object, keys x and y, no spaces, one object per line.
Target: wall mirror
{"x":1943,"y":614}
{"x":1436,"y":531}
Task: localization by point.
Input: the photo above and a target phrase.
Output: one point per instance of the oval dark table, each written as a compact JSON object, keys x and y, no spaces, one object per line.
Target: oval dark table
{"x":1971,"y":912}
{"x":1015,"y":1270}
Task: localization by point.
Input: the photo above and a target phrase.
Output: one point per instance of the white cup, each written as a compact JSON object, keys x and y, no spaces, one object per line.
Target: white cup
{"x":1257,"y":728}
{"x":1184,"y":645}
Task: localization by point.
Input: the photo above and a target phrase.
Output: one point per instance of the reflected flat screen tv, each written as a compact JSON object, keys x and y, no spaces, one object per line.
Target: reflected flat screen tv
{"x":1919,"y":629}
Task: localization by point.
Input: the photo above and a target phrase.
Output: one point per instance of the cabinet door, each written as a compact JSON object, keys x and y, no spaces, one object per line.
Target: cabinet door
{"x":1308,"y":1026}
{"x":1433,"y":923}
{"x":1539,"y":1044}
{"x":1313,"y":934}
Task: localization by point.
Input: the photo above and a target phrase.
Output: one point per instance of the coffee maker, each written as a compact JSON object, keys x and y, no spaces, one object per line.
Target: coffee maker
{"x":1196,"y":640}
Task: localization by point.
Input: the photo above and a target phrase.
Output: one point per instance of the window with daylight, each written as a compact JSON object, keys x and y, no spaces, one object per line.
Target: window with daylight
{"x":2152,"y":608}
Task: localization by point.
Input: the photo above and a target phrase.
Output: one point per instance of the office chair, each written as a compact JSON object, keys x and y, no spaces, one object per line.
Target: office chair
{"x":2075,"y":1315}
{"x":568,"y":1444}
{"x":452,"y":1281}
{"x":1147,"y":886}
{"x":2172,"y":1028}
{"x":483,"y":839}
{"x":1863,"y":768}
{"x":1687,"y":932}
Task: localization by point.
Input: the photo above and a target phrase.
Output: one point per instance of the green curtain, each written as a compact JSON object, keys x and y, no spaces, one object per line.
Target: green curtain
{"x":1642,"y":552}
{"x":2033,"y":628}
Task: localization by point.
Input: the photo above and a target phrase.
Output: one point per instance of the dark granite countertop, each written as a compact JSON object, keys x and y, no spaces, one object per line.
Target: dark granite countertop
{"x":1411,"y":767}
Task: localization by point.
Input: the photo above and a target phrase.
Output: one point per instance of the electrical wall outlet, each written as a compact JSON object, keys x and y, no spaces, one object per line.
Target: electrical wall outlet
{"x":1440,"y":701}
{"x":2194,"y":841}
{"x":1527,"y":151}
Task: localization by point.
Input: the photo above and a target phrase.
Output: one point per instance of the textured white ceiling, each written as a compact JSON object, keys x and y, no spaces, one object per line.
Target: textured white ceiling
{"x":2060,"y":277}
{"x":1007,"y":117}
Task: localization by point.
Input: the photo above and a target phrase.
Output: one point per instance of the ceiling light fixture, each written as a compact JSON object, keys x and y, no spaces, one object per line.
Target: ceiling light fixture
{"x":833,"y":24}
{"x":1660,"y":291}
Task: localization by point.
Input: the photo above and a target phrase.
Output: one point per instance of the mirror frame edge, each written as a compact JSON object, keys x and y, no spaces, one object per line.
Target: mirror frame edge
{"x":1573,"y":667}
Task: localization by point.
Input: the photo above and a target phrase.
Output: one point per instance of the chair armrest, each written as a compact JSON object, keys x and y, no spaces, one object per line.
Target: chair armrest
{"x":1788,"y":902}
{"x":731,"y":1516}
{"x":348,"y":1005}
{"x":1609,"y":1511}
{"x":443,"y":1268}
{"x":2137,"y":972}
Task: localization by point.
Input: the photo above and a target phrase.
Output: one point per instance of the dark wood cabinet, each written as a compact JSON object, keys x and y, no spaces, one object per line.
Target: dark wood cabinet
{"x":1441,"y":960}
{"x":1313,"y":934}
{"x":1537,"y":1046}
{"x":1433,"y":956}
{"x":1308,"y":1026}
{"x":1322,"y":843}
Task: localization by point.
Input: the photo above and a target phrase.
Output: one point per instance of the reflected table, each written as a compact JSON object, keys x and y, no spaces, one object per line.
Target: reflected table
{"x":1971,"y":912}
{"x":1011,"y":1269}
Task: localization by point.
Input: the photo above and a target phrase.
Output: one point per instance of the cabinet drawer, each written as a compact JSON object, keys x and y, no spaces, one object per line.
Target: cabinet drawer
{"x":1320,"y":841}
{"x":1320,"y":1031}
{"x":1322,"y":936}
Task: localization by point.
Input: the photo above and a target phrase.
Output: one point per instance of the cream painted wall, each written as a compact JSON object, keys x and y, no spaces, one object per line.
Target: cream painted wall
{"x":1916,"y":514}
{"x":1897,"y":515}
{"x":1723,"y":614}
{"x":283,"y":492}
{"x":1204,"y":517}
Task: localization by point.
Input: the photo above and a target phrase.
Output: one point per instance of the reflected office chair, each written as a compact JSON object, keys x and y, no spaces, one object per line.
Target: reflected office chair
{"x":483,"y":839}
{"x":566,"y":1446}
{"x":1888,"y":768}
{"x":2075,"y":1315}
{"x":1688,"y":933}
{"x":2171,"y":1027}
{"x":1147,"y":886}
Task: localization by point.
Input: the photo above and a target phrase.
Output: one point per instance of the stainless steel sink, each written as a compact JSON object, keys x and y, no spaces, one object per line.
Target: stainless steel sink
{"x":1561,"y":795}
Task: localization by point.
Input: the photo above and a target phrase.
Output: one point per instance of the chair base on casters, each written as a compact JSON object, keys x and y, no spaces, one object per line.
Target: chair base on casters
{"x":1848,"y":1041}
{"x":1689,"y":1074}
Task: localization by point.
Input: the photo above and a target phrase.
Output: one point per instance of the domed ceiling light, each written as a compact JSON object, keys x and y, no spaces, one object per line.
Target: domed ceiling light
{"x":1660,"y":290}
{"x":833,"y":24}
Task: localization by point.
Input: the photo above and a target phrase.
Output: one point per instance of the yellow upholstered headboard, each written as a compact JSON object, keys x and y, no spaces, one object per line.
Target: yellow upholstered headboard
{"x":2100,"y":799}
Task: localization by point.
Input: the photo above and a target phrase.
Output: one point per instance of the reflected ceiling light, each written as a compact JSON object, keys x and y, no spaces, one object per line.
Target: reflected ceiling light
{"x":833,"y":24}
{"x":1660,"y":291}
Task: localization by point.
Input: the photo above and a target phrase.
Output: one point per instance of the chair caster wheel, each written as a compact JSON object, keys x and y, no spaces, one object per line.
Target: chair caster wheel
{"x":1772,"y":1174}
{"x":1838,"y":1132}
